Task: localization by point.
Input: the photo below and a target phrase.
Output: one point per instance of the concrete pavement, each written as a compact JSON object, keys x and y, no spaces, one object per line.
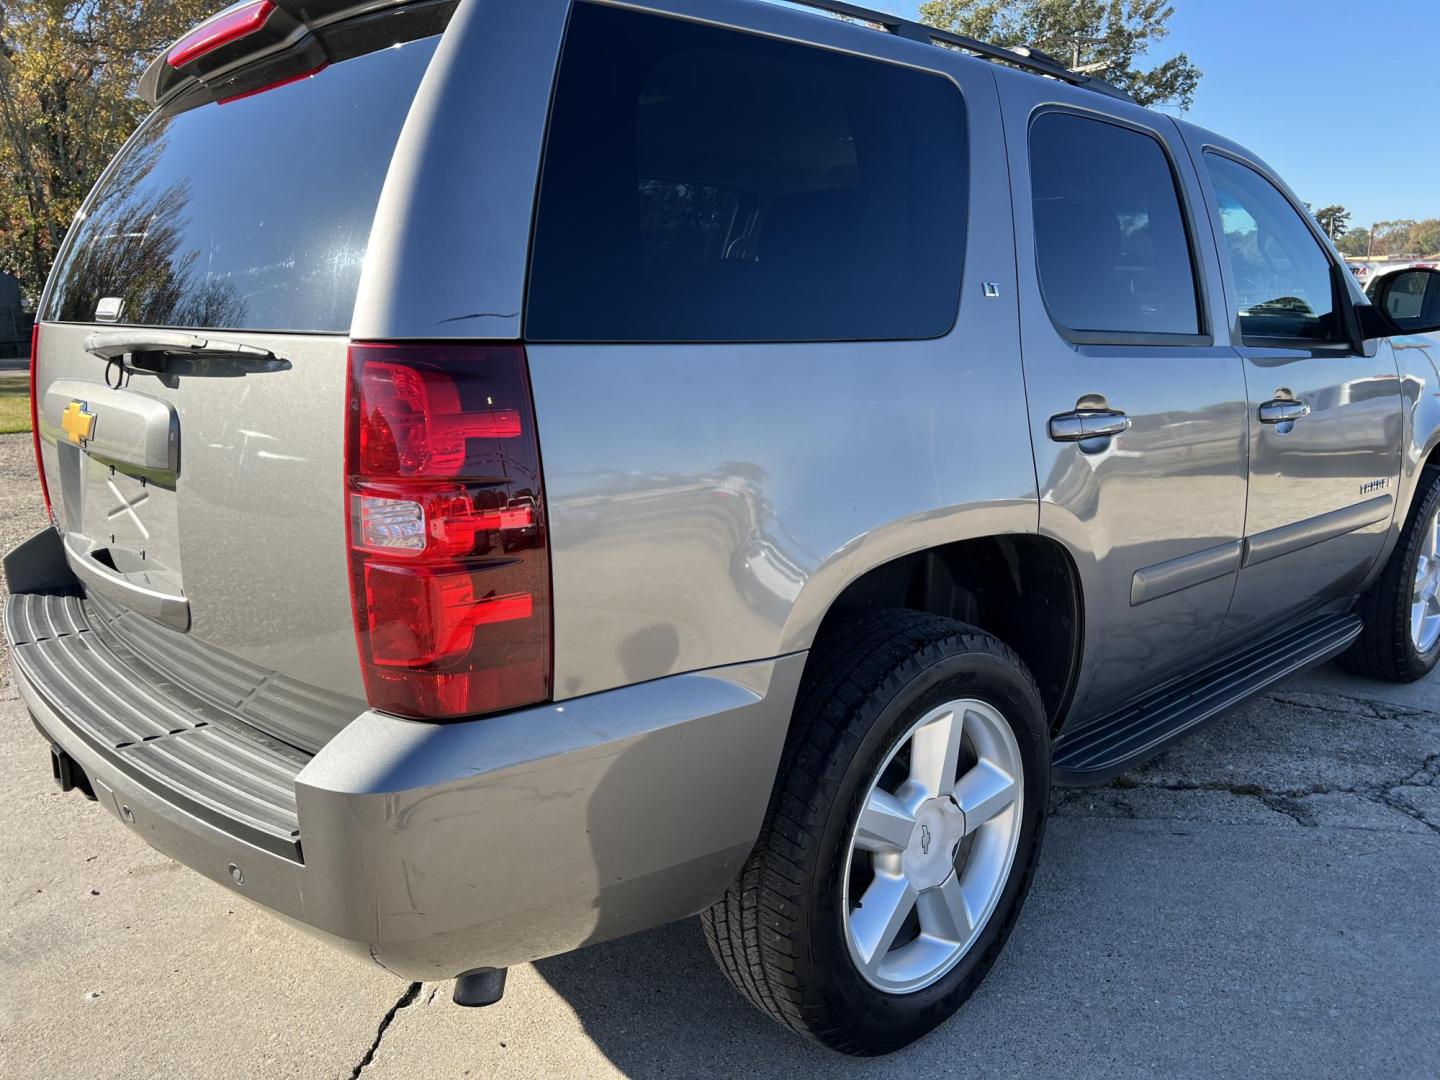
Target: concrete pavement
{"x":1262,"y":900}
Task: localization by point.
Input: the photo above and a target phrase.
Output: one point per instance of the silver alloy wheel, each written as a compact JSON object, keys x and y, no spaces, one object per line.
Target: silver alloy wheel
{"x":938,"y":844}
{"x":1424,"y":602}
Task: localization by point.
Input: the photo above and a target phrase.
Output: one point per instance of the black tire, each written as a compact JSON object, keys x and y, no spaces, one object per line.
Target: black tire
{"x":1385,"y":649}
{"x":778,"y":933}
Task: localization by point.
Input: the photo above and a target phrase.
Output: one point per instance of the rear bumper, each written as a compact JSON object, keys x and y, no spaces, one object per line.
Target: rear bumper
{"x":435,"y":848}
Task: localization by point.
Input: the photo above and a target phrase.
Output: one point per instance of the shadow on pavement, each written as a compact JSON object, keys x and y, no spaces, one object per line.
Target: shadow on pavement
{"x":1173,"y":946}
{"x":656,"y":1005}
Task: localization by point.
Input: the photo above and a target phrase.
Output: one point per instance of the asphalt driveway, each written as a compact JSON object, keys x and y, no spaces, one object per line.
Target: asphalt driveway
{"x":1264,"y":900}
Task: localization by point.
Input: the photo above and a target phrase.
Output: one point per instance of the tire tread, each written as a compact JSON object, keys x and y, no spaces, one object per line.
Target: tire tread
{"x":752,"y":931}
{"x":1384,"y":650}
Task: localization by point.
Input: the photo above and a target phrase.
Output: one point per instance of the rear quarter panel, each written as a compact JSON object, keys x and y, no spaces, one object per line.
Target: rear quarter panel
{"x":709,"y":502}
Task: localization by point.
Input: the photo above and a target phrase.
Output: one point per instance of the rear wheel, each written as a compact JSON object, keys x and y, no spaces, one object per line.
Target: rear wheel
{"x":1401,"y":638}
{"x":900,"y":840}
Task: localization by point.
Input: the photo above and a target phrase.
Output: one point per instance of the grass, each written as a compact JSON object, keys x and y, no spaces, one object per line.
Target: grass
{"x":14,"y":405}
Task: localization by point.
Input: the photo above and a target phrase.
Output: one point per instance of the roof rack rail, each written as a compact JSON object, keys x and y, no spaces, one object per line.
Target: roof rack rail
{"x":1023,"y":57}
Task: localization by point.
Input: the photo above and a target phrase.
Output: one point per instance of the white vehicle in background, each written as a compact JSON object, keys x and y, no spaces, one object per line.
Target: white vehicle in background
{"x":1366,"y":270}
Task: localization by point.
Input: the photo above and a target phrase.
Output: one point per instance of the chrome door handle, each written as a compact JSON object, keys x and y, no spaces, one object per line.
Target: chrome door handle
{"x":1282,"y":410}
{"x":1088,"y":424}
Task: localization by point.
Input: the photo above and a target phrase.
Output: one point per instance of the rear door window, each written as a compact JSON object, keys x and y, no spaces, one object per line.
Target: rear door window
{"x":252,"y":214}
{"x":1111,"y":243}
{"x":702,"y":184}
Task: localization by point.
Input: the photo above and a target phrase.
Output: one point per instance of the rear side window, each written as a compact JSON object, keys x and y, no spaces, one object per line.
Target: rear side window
{"x":1284,"y":282}
{"x":1110,"y":239}
{"x":253,"y":214}
{"x":706,"y":185}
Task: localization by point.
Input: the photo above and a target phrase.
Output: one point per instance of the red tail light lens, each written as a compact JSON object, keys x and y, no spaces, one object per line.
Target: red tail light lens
{"x":415,"y":424}
{"x":449,"y":560}
{"x":219,"y":32}
{"x":35,"y":416}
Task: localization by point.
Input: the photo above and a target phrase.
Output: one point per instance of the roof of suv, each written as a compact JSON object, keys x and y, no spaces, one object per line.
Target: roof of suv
{"x":1023,"y":57}
{"x":287,"y":34}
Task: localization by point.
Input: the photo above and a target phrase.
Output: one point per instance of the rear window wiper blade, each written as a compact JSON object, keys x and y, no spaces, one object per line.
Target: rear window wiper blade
{"x":115,"y":344}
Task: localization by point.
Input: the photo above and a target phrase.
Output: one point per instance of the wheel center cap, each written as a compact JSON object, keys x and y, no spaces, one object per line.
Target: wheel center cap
{"x":929,"y":857}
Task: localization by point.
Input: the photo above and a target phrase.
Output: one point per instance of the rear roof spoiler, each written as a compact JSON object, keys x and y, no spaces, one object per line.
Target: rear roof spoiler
{"x":286,"y":39}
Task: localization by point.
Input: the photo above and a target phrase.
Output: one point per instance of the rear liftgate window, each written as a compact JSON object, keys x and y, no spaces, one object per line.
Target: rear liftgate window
{"x":706,"y":185}
{"x":252,"y":214}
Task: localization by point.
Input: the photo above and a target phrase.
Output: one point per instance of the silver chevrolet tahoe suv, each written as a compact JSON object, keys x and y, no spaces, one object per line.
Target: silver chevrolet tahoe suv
{"x":522,"y":473}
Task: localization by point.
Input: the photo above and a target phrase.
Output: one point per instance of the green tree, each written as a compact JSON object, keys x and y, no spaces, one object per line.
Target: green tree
{"x":1392,"y":237}
{"x":1354,"y":242}
{"x":68,"y":70}
{"x":1335,"y":220}
{"x":1110,"y":36}
{"x":1425,"y":237}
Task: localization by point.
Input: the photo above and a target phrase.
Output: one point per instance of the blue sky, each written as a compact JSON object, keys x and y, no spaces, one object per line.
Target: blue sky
{"x":1336,"y":95}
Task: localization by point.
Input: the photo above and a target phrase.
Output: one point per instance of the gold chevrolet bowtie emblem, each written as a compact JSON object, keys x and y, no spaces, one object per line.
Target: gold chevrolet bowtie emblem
{"x":78,"y":422}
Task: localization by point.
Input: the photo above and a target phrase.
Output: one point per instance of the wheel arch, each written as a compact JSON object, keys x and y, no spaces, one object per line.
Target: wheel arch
{"x":1429,"y":461}
{"x":1023,"y":588}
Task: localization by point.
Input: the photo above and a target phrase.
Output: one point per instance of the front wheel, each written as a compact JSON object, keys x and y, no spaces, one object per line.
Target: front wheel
{"x":901,"y":837}
{"x":1400,"y":641}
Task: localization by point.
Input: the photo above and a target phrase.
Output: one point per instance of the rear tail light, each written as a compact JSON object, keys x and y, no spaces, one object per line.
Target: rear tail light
{"x":35,"y":416}
{"x":224,"y":29}
{"x":449,"y":557}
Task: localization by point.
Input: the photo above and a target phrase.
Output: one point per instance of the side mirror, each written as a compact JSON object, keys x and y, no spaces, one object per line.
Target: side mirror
{"x":1407,"y":300}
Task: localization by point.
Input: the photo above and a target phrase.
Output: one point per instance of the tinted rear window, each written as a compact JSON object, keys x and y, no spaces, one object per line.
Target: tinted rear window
{"x":702,"y":184}
{"x":253,"y":214}
{"x":1110,"y":236}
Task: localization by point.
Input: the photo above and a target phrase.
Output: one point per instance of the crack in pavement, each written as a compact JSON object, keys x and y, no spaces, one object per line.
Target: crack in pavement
{"x":1286,"y":801}
{"x":404,"y":1001}
{"x":1290,"y":801}
{"x":1378,"y":710}
{"x":1430,"y":770}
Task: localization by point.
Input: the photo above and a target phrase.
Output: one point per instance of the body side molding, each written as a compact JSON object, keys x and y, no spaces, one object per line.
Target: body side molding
{"x":1162,"y":579}
{"x":1273,"y":543}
